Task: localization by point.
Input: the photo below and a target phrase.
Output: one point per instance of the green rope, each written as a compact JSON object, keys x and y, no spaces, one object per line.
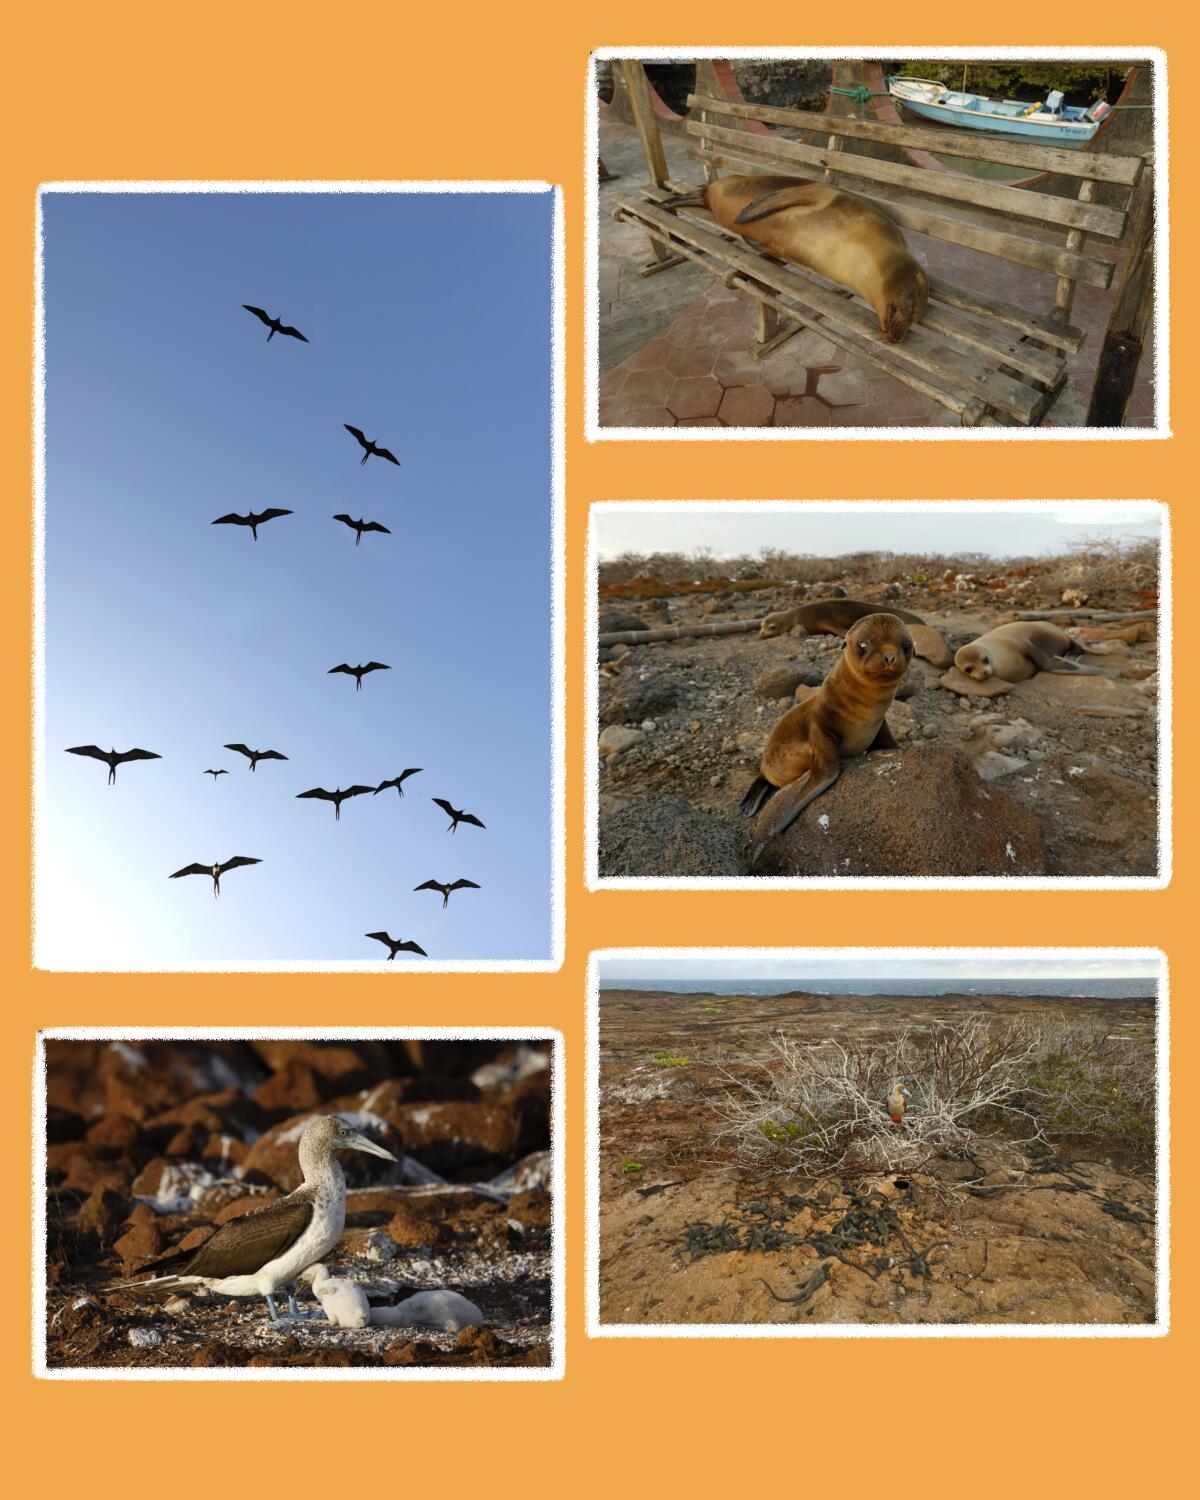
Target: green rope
{"x":861,"y":95}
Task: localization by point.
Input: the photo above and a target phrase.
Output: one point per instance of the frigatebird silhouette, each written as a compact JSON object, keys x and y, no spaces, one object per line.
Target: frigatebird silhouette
{"x":254,"y":756}
{"x":398,"y":781}
{"x":396,"y":946}
{"x":337,"y":798}
{"x":274,"y":324}
{"x":112,"y":758}
{"x":360,"y":526}
{"x":457,"y":885}
{"x":216,"y":871}
{"x":215,"y":774}
{"x":371,"y":449}
{"x":457,"y":816}
{"x":251,"y":520}
{"x":359,"y":672}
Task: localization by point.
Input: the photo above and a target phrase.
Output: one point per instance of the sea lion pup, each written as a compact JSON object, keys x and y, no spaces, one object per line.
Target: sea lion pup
{"x":834,"y":233}
{"x":1018,"y":651}
{"x":825,"y":617}
{"x":845,"y":716}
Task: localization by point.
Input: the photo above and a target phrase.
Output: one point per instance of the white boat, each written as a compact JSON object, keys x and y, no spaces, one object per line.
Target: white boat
{"x":1052,"y":122}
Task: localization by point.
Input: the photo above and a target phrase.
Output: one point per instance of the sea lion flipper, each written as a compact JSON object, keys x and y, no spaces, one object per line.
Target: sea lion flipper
{"x":773,"y":203}
{"x":758,"y":793}
{"x":793,"y":799}
{"x":1062,"y":665}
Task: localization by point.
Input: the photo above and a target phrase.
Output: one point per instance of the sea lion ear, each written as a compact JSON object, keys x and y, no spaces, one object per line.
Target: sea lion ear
{"x":772,"y":203}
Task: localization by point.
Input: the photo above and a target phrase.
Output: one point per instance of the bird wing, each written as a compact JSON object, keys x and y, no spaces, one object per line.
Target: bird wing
{"x":429,"y":885}
{"x":411,"y":947}
{"x":232,"y":519}
{"x":376,"y":666}
{"x":269,"y":515}
{"x":292,"y":333}
{"x":357,"y":791}
{"x":93,"y":750}
{"x":258,"y":313}
{"x":463,"y":885}
{"x":236,"y":861}
{"x":375,"y":526}
{"x":357,"y":433}
{"x":471,"y":818}
{"x":191,"y":870}
{"x":386,"y":453}
{"x":445,"y":806}
{"x":211,"y":772}
{"x":318,"y":791}
{"x":138,"y":755}
{"x":412,"y":771}
{"x":245,"y":1245}
{"x":342,"y":668}
{"x":241,"y":750}
{"x":380,"y":937}
{"x":345,"y":520}
{"x":270,"y":755}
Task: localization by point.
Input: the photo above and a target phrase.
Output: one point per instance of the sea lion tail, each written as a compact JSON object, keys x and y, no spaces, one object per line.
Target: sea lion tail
{"x":758,"y":794}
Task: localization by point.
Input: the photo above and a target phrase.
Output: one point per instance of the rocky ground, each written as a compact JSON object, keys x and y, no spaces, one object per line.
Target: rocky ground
{"x":151,"y":1145}
{"x":1057,"y":775}
{"x":1064,"y":1234}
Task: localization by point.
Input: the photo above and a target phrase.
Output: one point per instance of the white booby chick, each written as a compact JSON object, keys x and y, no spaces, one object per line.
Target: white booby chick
{"x":448,"y":1311}
{"x":264,"y":1251}
{"x":344,"y":1302}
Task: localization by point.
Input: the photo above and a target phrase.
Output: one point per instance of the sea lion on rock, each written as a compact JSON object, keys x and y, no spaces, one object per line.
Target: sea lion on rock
{"x":834,"y":233}
{"x":824,"y":617}
{"x":846,"y":716}
{"x":1020,"y":650}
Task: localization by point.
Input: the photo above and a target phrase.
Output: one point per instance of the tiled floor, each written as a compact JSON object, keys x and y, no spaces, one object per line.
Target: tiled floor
{"x":673,"y":345}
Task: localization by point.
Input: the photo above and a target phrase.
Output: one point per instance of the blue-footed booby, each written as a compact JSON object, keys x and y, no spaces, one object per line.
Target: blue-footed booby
{"x":264,"y":1251}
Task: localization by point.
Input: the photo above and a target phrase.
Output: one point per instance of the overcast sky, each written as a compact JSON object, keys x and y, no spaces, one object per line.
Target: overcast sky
{"x":1003,"y":966}
{"x":995,"y":529}
{"x":166,"y":407}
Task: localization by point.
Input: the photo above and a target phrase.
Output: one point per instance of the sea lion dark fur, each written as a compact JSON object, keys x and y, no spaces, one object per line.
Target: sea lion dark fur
{"x":825,"y":617}
{"x":1017,"y":651}
{"x":846,"y":716}
{"x":836,"y":234}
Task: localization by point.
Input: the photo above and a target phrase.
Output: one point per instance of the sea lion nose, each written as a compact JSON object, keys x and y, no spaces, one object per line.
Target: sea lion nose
{"x":889,"y":658}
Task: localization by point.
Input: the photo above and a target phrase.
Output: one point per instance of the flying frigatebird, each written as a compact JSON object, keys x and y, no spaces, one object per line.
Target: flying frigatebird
{"x":457,"y":885}
{"x":360,"y":526}
{"x":216,"y":871}
{"x":254,"y":756}
{"x":274,"y":324}
{"x":396,"y":946}
{"x":112,"y":758}
{"x":215,"y":774}
{"x":359,"y":672}
{"x":337,"y":798}
{"x":251,"y":520}
{"x":370,"y":448}
{"x":264,"y":1251}
{"x":398,"y":781}
{"x":457,"y":816}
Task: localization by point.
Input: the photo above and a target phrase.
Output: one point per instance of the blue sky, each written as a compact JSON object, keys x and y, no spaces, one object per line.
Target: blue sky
{"x":429,"y":320}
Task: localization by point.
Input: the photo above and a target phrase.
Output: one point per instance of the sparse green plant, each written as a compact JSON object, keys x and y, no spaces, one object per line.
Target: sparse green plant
{"x":631,"y":1166}
{"x":668,"y":1059}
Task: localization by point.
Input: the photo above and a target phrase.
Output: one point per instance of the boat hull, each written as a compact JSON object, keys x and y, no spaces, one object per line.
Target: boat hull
{"x":998,"y":117}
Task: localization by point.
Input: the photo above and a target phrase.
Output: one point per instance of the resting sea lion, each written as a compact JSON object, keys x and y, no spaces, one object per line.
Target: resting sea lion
{"x":845,"y":716}
{"x":825,"y":617}
{"x":837,"y":234}
{"x":1018,"y":651}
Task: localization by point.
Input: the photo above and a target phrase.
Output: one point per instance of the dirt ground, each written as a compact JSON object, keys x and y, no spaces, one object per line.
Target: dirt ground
{"x":1058,"y":1235}
{"x":688,"y":717}
{"x":152,"y":1145}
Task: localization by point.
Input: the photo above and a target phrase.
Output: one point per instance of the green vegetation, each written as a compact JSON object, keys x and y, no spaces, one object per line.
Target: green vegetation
{"x":1029,"y":80}
{"x":668,"y":1059}
{"x":631,"y":1166}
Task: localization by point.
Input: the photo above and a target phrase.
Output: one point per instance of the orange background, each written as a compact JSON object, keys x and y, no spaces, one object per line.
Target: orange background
{"x":494,"y":90}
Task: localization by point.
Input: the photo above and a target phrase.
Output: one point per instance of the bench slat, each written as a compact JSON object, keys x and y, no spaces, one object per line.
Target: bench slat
{"x":1024,"y":323}
{"x":1019,"y":249}
{"x":1100,"y":167}
{"x":920,"y":347}
{"x":1070,"y":213}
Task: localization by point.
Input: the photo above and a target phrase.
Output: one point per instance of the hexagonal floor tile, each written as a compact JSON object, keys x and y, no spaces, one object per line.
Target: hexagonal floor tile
{"x":647,"y":387}
{"x":695,"y":396}
{"x":801,"y":411}
{"x":843,"y":388}
{"x":747,"y":406}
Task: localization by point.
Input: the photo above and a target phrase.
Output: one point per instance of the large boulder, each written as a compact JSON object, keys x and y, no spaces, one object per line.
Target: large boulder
{"x":913,"y":812}
{"x":664,"y":836}
{"x":1095,"y":820}
{"x":630,"y":700}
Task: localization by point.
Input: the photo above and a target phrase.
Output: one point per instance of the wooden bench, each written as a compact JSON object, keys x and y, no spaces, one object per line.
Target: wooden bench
{"x":986,"y":359}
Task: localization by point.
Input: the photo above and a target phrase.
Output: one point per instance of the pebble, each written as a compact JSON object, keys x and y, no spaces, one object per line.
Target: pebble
{"x":617,"y":738}
{"x":144,"y":1338}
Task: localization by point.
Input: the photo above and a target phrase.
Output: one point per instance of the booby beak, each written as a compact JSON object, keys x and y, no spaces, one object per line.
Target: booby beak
{"x":355,"y":1142}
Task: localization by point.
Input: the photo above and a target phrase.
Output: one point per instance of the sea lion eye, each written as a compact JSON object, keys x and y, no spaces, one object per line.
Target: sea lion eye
{"x":908,"y":648}
{"x":863,"y":646}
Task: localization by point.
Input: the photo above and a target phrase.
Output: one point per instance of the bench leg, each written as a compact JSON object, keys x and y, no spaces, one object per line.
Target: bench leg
{"x":662,"y":259}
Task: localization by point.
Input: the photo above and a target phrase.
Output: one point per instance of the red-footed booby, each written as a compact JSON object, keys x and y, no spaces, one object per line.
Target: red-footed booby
{"x":897,"y":1102}
{"x":264,"y":1251}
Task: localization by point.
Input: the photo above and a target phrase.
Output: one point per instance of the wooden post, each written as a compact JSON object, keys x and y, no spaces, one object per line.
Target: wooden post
{"x":1064,"y":291}
{"x":643,"y":117}
{"x":707,"y":83}
{"x":1129,"y":321}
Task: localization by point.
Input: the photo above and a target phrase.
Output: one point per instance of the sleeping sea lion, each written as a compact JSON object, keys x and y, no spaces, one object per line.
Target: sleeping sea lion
{"x":1018,"y":651}
{"x":834,"y":233}
{"x":846,"y":716}
{"x":825,"y":617}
